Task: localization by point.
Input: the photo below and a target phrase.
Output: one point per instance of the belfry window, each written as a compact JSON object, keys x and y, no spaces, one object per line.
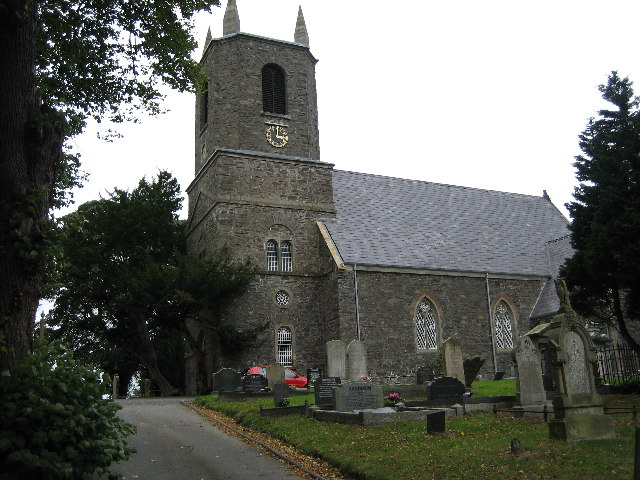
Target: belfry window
{"x":272,"y":255}
{"x":284,"y":355}
{"x":426,"y":326}
{"x":273,"y":90}
{"x":204,"y":105}
{"x":285,"y":256}
{"x":279,"y":256}
{"x":503,"y":324}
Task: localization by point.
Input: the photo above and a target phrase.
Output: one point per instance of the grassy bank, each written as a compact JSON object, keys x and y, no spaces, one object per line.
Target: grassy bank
{"x":473,"y":447}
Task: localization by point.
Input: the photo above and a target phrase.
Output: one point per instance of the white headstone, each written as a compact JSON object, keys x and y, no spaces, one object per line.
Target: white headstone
{"x":356,"y":360}
{"x":452,"y":353}
{"x":336,"y":359}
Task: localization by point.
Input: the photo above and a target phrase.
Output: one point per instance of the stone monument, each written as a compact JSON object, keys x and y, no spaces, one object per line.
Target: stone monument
{"x":275,"y":374}
{"x":529,"y":386}
{"x":336,"y":359}
{"x":356,"y":360}
{"x":358,"y":396}
{"x":452,"y":354}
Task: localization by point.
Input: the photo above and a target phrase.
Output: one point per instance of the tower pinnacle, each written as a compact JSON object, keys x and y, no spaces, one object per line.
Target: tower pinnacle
{"x":301,"y":35}
{"x":231,"y":21}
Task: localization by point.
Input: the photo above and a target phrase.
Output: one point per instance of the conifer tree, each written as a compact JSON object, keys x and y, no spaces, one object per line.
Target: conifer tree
{"x":604,"y":273}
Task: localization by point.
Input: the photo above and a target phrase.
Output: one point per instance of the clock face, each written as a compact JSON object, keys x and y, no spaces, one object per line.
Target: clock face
{"x":277,"y":136}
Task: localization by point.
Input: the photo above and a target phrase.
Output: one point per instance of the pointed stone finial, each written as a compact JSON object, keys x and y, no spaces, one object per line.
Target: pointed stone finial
{"x":207,"y":40}
{"x":231,"y":21}
{"x":301,"y":35}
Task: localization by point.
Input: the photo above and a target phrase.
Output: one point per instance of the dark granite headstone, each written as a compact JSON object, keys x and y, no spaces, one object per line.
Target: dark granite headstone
{"x":254,"y":383}
{"x":445,"y":388}
{"x":226,"y":380}
{"x":435,"y":422}
{"x":280,"y":392}
{"x":424,"y":374}
{"x":323,"y":390}
{"x":313,"y":374}
{"x":472,"y":367}
{"x":547,"y":383}
{"x":499,"y":376}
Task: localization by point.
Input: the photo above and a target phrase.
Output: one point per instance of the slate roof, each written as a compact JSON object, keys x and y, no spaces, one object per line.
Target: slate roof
{"x":394,"y":222}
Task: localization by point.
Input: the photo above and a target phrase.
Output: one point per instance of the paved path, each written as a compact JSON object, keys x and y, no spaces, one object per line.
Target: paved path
{"x":175,"y":443}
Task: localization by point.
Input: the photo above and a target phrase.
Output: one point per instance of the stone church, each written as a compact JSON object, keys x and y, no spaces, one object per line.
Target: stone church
{"x":400,"y":264}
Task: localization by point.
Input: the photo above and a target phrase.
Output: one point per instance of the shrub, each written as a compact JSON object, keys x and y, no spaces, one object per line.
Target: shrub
{"x":53,"y":421}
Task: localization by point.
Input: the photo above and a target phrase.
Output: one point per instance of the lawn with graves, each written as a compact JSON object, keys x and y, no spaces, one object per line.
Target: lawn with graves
{"x":476,"y":446}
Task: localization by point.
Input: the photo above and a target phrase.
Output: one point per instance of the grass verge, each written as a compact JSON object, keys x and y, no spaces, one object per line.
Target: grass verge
{"x":473,"y":447}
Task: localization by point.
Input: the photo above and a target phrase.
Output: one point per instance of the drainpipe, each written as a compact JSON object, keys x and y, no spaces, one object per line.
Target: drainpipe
{"x":492,"y":328}
{"x":355,"y":283}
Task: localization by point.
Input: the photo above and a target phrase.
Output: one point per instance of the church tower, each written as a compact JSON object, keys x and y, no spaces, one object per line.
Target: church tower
{"x":260,"y":187}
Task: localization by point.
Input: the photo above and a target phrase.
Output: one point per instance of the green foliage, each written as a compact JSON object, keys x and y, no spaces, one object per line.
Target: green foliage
{"x":53,"y":421}
{"x":606,"y":224}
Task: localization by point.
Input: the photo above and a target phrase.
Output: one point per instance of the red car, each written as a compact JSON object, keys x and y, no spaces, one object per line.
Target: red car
{"x":291,"y":377}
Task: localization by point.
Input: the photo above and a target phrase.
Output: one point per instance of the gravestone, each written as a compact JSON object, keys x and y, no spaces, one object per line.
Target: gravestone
{"x":452,"y":355}
{"x":529,"y":385}
{"x":435,"y":422}
{"x":323,"y":390}
{"x":254,"y":383}
{"x":275,"y":374}
{"x":471,"y":368}
{"x":226,"y":380}
{"x":336,"y":359}
{"x":446,"y":389}
{"x":424,"y":374}
{"x":358,"y":396}
{"x":499,"y":375}
{"x":280,"y":392}
{"x":356,"y":360}
{"x":313,"y":374}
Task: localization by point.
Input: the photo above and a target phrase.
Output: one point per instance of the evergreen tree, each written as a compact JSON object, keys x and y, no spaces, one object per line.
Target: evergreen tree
{"x":604,"y":273}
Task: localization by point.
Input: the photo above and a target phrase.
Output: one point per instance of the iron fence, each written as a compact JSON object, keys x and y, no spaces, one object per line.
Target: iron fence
{"x":617,"y":364}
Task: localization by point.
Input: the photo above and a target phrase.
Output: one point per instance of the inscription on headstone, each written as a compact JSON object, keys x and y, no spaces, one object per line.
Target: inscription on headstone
{"x":578,"y":380}
{"x":313,"y":374}
{"x":445,"y":388}
{"x":323,"y":390}
{"x":358,"y":396}
{"x":452,"y":354}
{"x":254,"y":383}
{"x":226,"y":380}
{"x":530,"y":389}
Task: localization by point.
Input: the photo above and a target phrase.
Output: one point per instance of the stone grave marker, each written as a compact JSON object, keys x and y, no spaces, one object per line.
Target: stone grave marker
{"x":280,"y":392}
{"x":275,"y":374}
{"x":446,"y":388}
{"x":313,"y":374}
{"x":499,"y":375}
{"x":452,"y":354}
{"x":424,"y":374}
{"x":254,"y":383}
{"x":529,"y":385}
{"x":323,"y":390}
{"x":435,"y":422}
{"x":471,"y":368}
{"x":336,"y":359}
{"x":358,"y":396}
{"x":356,"y":360}
{"x":226,"y":380}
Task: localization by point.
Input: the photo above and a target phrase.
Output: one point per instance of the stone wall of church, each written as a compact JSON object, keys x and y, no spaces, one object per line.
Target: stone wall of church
{"x":387,"y":307}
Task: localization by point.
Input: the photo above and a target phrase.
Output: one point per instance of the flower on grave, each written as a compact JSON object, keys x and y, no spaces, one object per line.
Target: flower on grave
{"x":364,"y":378}
{"x":284,"y":402}
{"x":393,"y":397}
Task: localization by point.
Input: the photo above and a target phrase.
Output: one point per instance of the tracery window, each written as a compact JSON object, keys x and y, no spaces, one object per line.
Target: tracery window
{"x":285,"y":256}
{"x":273,"y":90}
{"x":426,"y":325}
{"x":503,"y":324}
{"x":272,"y":255}
{"x":284,"y":346}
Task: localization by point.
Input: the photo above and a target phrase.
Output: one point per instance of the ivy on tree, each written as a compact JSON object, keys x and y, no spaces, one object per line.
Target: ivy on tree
{"x":603,"y":275}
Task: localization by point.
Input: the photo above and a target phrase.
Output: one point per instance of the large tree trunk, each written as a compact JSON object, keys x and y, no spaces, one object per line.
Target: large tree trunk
{"x":147,"y":355}
{"x":197,"y":348}
{"x":30,"y":152}
{"x":622,"y":324}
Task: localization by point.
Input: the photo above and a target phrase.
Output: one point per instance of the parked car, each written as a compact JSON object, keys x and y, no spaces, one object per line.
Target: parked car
{"x":291,"y":377}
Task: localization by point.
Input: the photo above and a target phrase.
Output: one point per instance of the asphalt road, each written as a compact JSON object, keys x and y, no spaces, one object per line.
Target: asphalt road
{"x":175,"y":443}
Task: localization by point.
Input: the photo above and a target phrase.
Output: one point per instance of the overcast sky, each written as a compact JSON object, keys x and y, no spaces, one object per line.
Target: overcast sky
{"x":489,"y":94}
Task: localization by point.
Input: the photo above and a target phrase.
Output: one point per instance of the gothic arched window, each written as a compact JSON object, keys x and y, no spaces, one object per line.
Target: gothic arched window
{"x":274,"y":98}
{"x":286,"y":256}
{"x":272,"y":255}
{"x":503,"y":324}
{"x":426,"y":325}
{"x":284,"y":347}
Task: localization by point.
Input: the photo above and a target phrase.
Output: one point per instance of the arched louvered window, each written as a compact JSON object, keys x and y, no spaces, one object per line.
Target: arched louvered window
{"x":272,"y":255}
{"x":285,"y":347}
{"x":274,"y":98}
{"x":503,"y":324}
{"x":426,"y":325}
{"x":204,"y":105}
{"x":286,"y":256}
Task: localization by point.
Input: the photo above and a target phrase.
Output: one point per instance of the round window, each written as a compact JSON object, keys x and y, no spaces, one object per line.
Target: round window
{"x":282,"y":298}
